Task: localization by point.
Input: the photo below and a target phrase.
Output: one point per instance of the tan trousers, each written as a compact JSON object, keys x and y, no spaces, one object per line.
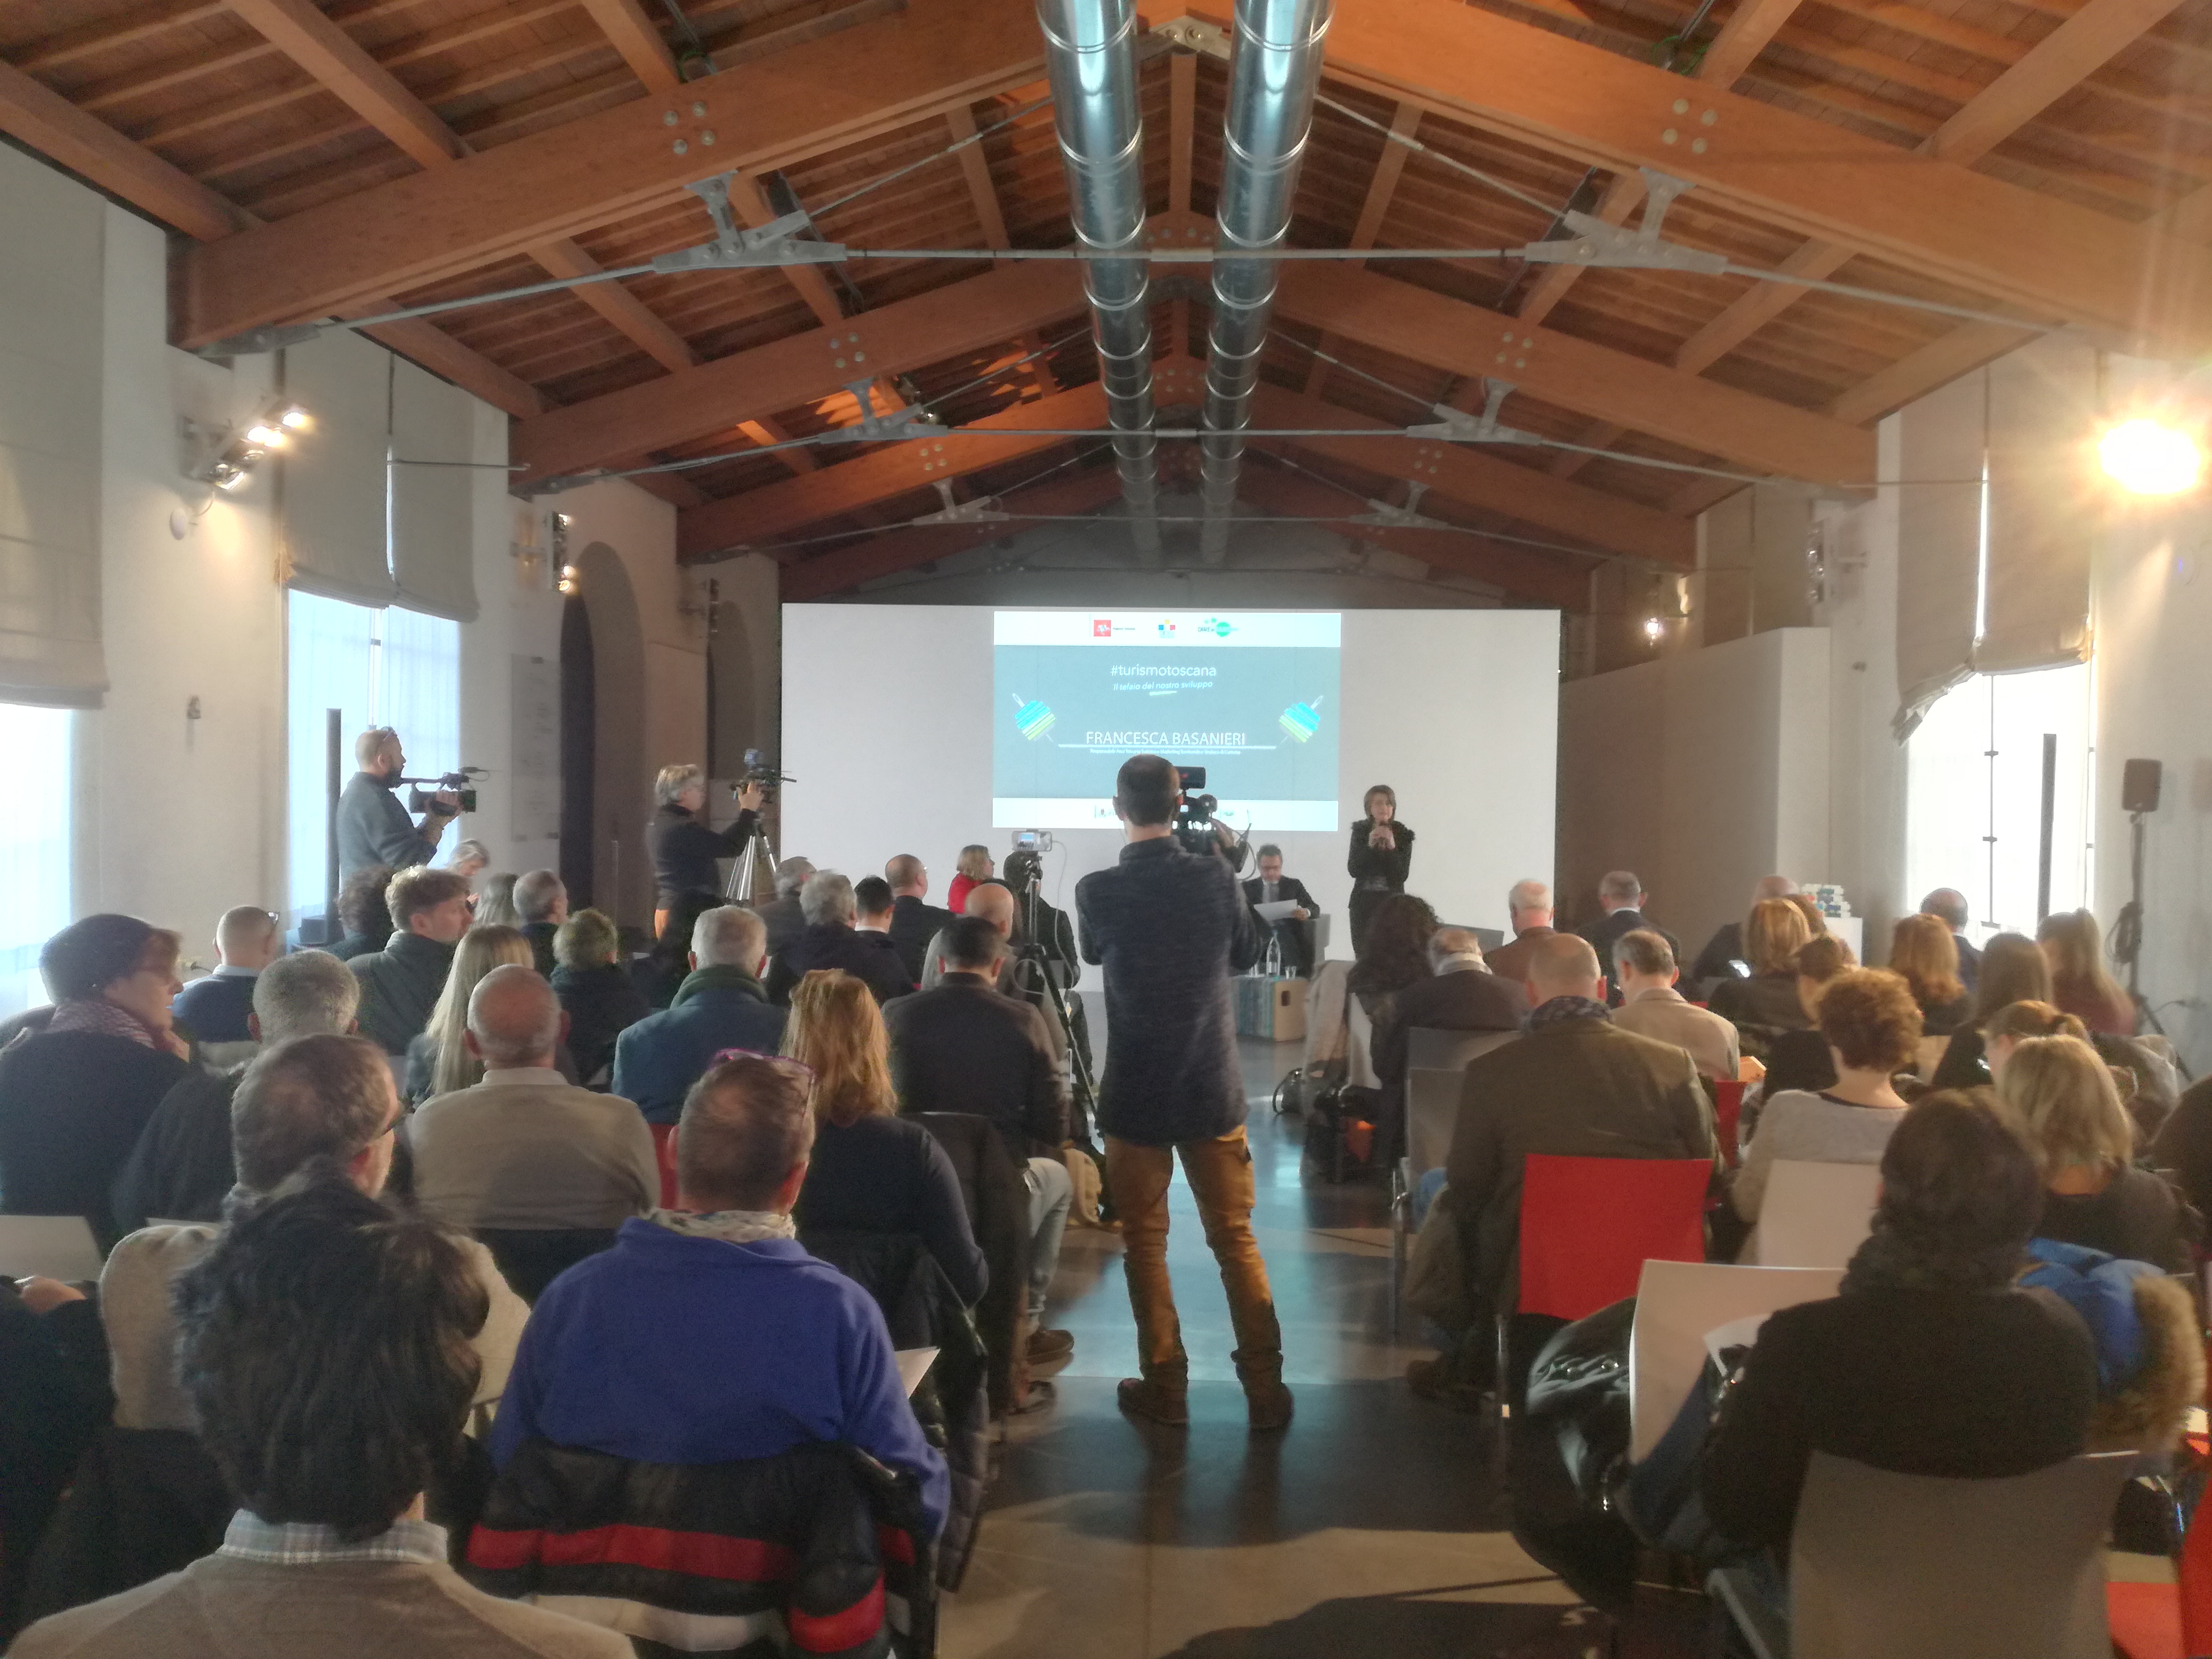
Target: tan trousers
{"x":1220,"y":1174}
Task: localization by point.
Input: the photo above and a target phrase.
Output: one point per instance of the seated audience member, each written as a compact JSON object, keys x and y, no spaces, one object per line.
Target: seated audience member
{"x":988,"y":901}
{"x":597,"y":993}
{"x":2084,"y":1142}
{"x":1394,"y":956}
{"x":399,"y":984}
{"x":1460,"y":994}
{"x":1528,"y":906}
{"x":662,"y":972}
{"x":965,"y":1048}
{"x":785,"y":916}
{"x":1272,"y":886}
{"x":471,"y":859}
{"x":1726,"y":946}
{"x":915,"y":920}
{"x":1575,"y":1085}
{"x":1930,"y":1362}
{"x":1765,"y":1004}
{"x":2013,"y":970}
{"x":495,"y":902}
{"x":1800,"y":1058}
{"x":873,"y":1171}
{"x":361,"y":912}
{"x":524,"y":1150}
{"x":2185,"y":1144}
{"x":1948,"y":905}
{"x":973,"y":867}
{"x":324,"y":1346}
{"x":720,"y":1005}
{"x":831,"y":941}
{"x":2081,"y":983}
{"x":438,"y":1059}
{"x":541,"y":902}
{"x":324,"y":1101}
{"x":1651,"y":1006}
{"x":182,"y":1169}
{"x":214,"y":1010}
{"x":54,"y":1400}
{"x":1872,"y":1028}
{"x":1922,"y":953}
{"x":1620,"y":897}
{"x":872,"y":909}
{"x":708,"y":1334}
{"x":76,"y":1097}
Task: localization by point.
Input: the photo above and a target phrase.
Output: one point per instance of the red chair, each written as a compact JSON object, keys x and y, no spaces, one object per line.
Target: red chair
{"x":663,"y":1152}
{"x":1727,"y":1114}
{"x":2168,"y":1621}
{"x":1589,"y":1224}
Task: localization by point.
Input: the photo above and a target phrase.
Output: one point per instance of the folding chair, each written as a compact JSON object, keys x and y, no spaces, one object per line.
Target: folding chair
{"x":1815,"y":1215}
{"x":1916,"y":1566}
{"x":1436,"y":1065}
{"x":1676,"y":1304}
{"x":48,"y":1246}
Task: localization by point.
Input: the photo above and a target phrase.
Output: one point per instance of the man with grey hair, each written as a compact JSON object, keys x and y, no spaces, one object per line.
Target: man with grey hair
{"x":1529,"y":912}
{"x":541,"y":899}
{"x":1651,"y":1006}
{"x":1620,"y":897}
{"x":311,"y":1095}
{"x":524,"y":1150}
{"x":1462,"y":994}
{"x":373,"y":827}
{"x":1726,"y":946}
{"x":783,"y":914}
{"x":719,"y":1006}
{"x":830,"y":940}
{"x":181,"y":1168}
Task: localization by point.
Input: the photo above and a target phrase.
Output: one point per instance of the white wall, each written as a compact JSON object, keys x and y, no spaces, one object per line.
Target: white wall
{"x":1701,"y":772}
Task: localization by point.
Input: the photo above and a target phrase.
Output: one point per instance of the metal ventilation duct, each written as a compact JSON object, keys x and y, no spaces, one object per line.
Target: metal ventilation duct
{"x":1273,"y":75}
{"x":1091,"y":56}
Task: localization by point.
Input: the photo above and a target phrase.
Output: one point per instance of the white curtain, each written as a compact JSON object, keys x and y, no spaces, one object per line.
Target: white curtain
{"x":433,"y":495}
{"x":34,"y":847}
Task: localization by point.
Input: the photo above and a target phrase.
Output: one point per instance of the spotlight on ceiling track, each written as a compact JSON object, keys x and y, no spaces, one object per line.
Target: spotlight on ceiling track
{"x":2150,"y":457}
{"x":1654,"y":630}
{"x":226,"y":456}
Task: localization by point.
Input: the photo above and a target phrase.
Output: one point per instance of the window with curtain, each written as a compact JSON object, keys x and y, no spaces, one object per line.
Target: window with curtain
{"x":378,"y":667}
{"x":1974,"y":782}
{"x":35,"y":848}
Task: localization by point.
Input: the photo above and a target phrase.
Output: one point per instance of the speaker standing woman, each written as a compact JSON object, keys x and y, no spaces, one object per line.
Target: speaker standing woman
{"x":1382,"y":854}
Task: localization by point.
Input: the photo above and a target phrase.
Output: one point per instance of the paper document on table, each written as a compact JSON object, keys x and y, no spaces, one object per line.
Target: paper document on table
{"x":1278,"y":911}
{"x":913,"y":1365}
{"x":1737,"y":1334}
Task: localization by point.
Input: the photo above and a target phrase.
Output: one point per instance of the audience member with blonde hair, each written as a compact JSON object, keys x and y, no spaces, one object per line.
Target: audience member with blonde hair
{"x":1800,"y":1058}
{"x":438,"y":1059}
{"x":1766,"y":1004}
{"x":601,"y":999}
{"x":1872,"y":1028}
{"x":2067,"y":1104}
{"x":2081,"y":983}
{"x":973,"y":867}
{"x":873,"y":1171}
{"x":1924,"y":954}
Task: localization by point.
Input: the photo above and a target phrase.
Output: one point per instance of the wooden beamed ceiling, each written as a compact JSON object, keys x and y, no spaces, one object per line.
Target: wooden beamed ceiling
{"x":2048,"y":160}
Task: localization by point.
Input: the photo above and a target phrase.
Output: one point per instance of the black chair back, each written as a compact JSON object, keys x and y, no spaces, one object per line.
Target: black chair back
{"x":530,"y":1259}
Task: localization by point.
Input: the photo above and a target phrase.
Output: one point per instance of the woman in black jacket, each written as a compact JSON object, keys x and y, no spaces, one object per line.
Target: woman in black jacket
{"x":1382,"y":855}
{"x":1928,"y":1363}
{"x":1766,"y":1005}
{"x":601,"y":999}
{"x":684,"y":847}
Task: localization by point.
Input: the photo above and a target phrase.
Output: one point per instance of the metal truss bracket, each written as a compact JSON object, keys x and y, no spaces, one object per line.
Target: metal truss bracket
{"x":1195,"y":34}
{"x":784,"y":241}
{"x":1458,"y":427}
{"x":873,"y":428}
{"x":1597,"y":243}
{"x":975,"y":511}
{"x":254,"y":341}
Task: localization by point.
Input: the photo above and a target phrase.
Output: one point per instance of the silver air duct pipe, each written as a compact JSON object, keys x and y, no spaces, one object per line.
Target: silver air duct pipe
{"x":1273,"y":77}
{"x":1091,"y":56}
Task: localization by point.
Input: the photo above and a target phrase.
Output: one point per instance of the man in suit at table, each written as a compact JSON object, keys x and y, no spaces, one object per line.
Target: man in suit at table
{"x":1622,"y":895}
{"x":1272,"y":886}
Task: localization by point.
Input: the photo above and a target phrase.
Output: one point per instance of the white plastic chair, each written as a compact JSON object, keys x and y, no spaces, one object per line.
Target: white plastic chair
{"x":1815,"y":1215}
{"x":1676,"y":1304}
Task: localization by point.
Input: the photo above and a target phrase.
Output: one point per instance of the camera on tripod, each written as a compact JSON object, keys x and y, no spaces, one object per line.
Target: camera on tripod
{"x":462,"y":783}
{"x":760,"y":770}
{"x":1195,"y":809}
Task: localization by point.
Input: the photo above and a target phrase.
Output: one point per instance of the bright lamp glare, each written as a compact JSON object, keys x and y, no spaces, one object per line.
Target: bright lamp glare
{"x":269,"y":437}
{"x":2151,"y":457}
{"x":1653,"y":628}
{"x":297,"y":418}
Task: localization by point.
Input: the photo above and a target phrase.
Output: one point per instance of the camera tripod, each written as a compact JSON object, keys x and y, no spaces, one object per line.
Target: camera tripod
{"x":2127,"y":941}
{"x":745,"y":869}
{"x":1032,"y":980}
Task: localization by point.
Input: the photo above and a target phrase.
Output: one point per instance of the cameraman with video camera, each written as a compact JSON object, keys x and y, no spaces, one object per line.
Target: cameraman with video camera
{"x":684,"y":847}
{"x":1169,"y":927}
{"x":374,"y":828}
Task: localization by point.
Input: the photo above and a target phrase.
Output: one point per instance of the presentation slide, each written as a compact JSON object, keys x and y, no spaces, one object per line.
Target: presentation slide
{"x":923,"y":729}
{"x":1251,"y":696}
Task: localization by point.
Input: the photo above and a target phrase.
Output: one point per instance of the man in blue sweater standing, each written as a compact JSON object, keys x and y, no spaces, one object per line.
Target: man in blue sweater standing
{"x":1170,"y":926}
{"x":708,"y":1334}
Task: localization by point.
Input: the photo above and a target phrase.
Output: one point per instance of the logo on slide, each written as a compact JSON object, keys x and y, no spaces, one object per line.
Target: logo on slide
{"x":1301,"y":720}
{"x":1167,"y":630}
{"x":1102,"y":628}
{"x":1215,"y":626}
{"x":1032,"y":719}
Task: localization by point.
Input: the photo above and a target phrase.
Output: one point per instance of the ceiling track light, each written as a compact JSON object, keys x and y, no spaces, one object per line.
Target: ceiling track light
{"x":226,"y":456}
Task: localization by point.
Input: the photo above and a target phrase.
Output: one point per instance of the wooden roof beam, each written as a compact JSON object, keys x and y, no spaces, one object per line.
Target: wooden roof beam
{"x":1381,"y":187}
{"x":632,"y":33}
{"x":817,"y":96}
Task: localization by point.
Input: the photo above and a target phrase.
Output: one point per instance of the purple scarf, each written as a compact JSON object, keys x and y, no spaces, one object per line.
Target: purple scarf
{"x":100,"y":1017}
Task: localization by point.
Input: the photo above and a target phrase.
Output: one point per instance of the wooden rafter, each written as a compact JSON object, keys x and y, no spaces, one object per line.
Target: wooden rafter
{"x":1373,"y":207}
{"x":633,"y":34}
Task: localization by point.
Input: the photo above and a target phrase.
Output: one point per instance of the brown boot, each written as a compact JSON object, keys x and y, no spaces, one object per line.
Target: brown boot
{"x":1153,"y":1401}
{"x":1266,"y":1401}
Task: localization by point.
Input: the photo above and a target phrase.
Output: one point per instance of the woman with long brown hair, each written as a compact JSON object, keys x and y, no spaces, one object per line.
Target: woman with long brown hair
{"x":873,"y":1171}
{"x":2081,"y":983}
{"x":1381,"y":859}
{"x":2013,"y":969}
{"x":1766,"y":1004}
{"x":1924,"y":955}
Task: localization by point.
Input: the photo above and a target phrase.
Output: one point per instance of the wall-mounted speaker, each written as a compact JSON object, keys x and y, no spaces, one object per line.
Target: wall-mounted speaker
{"x":2139,"y":786}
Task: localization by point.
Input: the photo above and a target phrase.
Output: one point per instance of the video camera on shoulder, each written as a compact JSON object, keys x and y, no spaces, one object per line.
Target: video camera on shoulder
{"x":462,"y":783}
{"x":1195,"y":809}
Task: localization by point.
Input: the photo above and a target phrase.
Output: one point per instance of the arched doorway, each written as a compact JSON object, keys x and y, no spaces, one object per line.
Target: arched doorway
{"x":612,"y":810}
{"x":578,"y":749}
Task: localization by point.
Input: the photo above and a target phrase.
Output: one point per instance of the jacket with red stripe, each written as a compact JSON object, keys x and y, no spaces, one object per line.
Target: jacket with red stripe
{"x":821,"y":1551}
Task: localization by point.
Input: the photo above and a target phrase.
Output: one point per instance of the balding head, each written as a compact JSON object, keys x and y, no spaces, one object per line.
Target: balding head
{"x":1563,"y":965}
{"x":539,"y":896}
{"x":1531,"y":904}
{"x":515,"y":1020}
{"x":994,"y":904}
{"x":246,"y":937}
{"x":746,"y":1130}
{"x":1453,"y":948}
{"x":729,"y":936}
{"x":1948,"y":905}
{"x":1773,"y":887}
{"x":908,"y":877}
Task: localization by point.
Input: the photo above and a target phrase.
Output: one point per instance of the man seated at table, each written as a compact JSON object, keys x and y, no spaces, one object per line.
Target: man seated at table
{"x":1272,"y":886}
